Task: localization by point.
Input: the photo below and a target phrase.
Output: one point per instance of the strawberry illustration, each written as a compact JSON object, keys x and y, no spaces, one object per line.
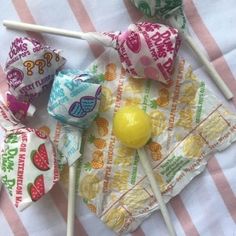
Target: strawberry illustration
{"x":40,"y":158}
{"x":37,"y":189}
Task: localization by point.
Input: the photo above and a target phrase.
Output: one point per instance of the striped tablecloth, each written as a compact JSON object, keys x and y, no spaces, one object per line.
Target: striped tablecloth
{"x":208,"y":205}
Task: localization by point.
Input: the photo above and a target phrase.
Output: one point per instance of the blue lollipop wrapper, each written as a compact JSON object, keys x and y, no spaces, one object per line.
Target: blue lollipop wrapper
{"x":74,"y":101}
{"x":75,"y":98}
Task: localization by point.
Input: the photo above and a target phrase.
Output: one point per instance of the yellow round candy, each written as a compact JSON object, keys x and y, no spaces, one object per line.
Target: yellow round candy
{"x":132,"y":126}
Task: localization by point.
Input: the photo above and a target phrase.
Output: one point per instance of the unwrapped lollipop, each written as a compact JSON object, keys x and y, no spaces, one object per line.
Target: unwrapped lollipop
{"x":28,"y":161}
{"x":30,"y":69}
{"x":146,"y":50}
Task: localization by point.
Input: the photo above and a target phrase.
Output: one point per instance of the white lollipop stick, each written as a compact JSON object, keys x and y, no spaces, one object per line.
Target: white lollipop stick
{"x":71,"y":200}
{"x":156,"y":190}
{"x":90,"y":36}
{"x":209,"y":67}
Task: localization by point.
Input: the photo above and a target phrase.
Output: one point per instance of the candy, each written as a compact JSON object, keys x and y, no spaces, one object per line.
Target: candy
{"x":75,"y":98}
{"x":30,"y":69}
{"x":162,"y":8}
{"x":172,"y":11}
{"x":132,"y":126}
{"x":28,"y":161}
{"x":146,"y":50}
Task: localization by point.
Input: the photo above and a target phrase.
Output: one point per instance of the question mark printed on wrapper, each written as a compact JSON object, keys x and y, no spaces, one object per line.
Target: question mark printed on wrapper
{"x":29,"y":66}
{"x":57,"y":57}
{"x":48,"y":56}
{"x":41,"y":64}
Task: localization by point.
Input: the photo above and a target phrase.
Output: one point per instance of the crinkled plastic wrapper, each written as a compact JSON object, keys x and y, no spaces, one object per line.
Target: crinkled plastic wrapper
{"x":74,"y":100}
{"x":28,"y":162}
{"x":148,"y":50}
{"x":161,"y":8}
{"x":66,"y":138}
{"x":30,"y":69}
{"x":188,"y":123}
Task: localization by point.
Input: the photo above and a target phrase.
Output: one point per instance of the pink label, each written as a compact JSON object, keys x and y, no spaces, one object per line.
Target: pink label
{"x":15,"y":77}
{"x":133,"y":41}
{"x":18,"y":108}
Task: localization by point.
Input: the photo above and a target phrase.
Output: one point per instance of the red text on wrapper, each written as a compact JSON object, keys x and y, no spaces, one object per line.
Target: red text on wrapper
{"x":20,"y":171}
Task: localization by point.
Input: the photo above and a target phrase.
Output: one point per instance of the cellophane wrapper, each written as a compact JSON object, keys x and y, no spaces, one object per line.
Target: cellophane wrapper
{"x":28,"y":161}
{"x":188,"y":123}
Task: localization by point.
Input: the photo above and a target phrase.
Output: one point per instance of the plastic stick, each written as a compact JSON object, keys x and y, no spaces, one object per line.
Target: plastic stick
{"x":209,"y":67}
{"x":41,"y":29}
{"x":71,"y":200}
{"x":156,"y":190}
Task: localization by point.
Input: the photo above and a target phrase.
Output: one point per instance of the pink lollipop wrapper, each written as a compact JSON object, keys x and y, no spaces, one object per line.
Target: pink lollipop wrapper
{"x":28,"y":161}
{"x":148,"y":50}
{"x":19,"y":108}
{"x":30,"y":69}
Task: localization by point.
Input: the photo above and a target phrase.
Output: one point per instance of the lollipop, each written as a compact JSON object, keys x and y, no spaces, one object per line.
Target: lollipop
{"x":146,"y":50}
{"x":30,"y":68}
{"x":74,"y":100}
{"x":173,"y":12}
{"x":132,"y":126}
{"x":28,"y":161}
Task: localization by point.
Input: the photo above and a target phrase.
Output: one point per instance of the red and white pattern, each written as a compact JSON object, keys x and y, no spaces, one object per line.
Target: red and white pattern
{"x":148,"y":50}
{"x":207,"y":206}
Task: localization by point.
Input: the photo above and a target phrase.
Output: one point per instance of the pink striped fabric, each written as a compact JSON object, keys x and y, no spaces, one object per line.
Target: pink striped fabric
{"x":25,"y":15}
{"x":183,"y":216}
{"x":134,"y":13}
{"x":60,"y":201}
{"x":85,"y":23}
{"x":213,"y":50}
{"x":9,"y":212}
{"x":223,"y":186}
{"x":215,"y":53}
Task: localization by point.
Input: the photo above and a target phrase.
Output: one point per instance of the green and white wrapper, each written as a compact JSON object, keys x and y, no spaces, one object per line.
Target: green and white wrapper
{"x":28,"y":161}
{"x":163,"y":9}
